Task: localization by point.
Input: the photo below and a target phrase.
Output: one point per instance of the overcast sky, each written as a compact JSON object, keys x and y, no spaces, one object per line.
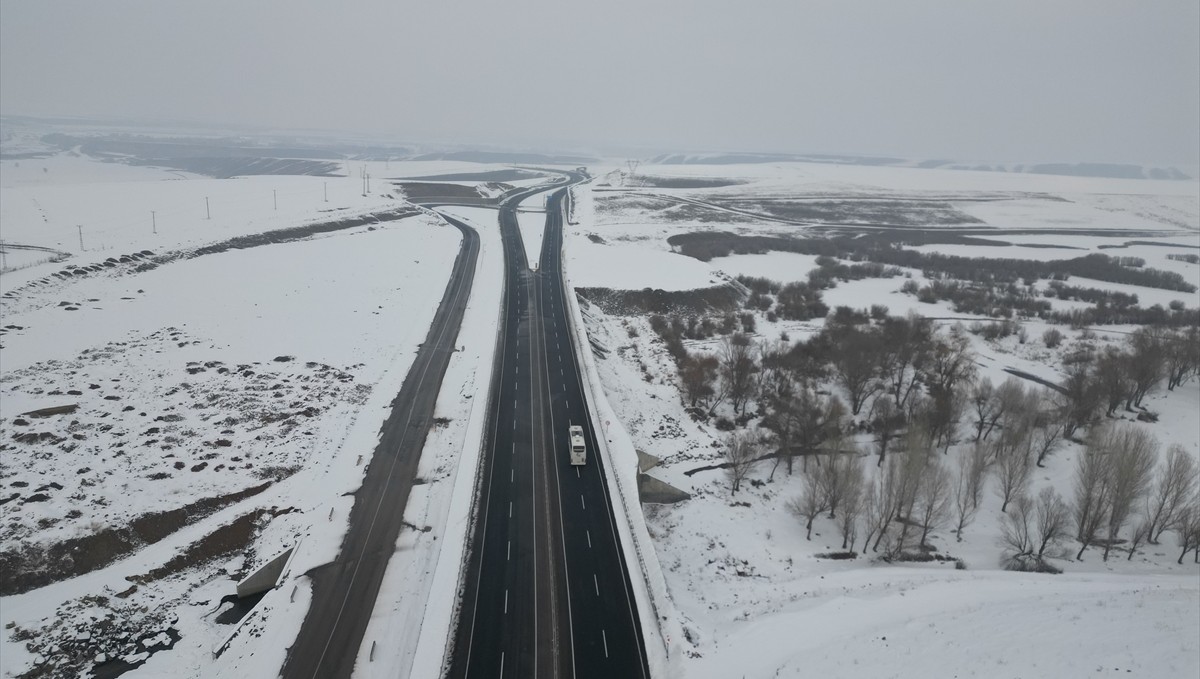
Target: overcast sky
{"x":1012,"y":80}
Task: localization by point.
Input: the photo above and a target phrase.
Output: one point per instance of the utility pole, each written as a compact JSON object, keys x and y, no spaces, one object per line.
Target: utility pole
{"x":80,"y":227}
{"x":153,"y":222}
{"x":207,"y":212}
{"x":326,"y":186}
{"x":275,"y":198}
{"x":368,"y":182}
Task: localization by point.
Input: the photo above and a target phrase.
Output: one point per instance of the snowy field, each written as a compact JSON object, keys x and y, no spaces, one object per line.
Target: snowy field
{"x":741,"y":592}
{"x":247,"y":385}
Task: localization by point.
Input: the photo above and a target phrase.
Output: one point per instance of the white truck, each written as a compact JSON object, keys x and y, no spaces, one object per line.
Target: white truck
{"x":578,"y":449}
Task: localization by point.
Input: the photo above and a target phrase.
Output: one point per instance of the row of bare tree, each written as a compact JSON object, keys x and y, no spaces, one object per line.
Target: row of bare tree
{"x":1013,"y":429}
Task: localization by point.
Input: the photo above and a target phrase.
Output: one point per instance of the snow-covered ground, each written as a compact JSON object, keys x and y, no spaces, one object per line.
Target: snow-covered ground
{"x":745,"y":593}
{"x":267,"y":370}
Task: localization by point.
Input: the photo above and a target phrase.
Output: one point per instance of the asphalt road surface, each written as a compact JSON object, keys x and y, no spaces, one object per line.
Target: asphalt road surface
{"x":547,"y":591}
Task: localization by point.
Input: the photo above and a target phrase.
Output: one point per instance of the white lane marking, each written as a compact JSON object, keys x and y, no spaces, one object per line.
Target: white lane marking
{"x":589,"y":537}
{"x":506,"y":602}
{"x":514,"y":424}
{"x":509,"y":556}
{"x":511,"y":474}
{"x":577,"y":473}
{"x":510,"y":509}
{"x":604,"y":635}
{"x":581,"y":502}
{"x":501,"y":664}
{"x":596,"y":583}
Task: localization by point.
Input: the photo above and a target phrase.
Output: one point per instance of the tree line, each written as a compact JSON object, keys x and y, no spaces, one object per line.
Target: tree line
{"x":886,"y":248}
{"x":915,"y":392}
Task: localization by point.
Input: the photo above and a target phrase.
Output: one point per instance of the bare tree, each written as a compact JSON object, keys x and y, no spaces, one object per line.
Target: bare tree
{"x":782,"y":413}
{"x":1092,"y":493}
{"x":984,"y":407}
{"x":1053,"y":520}
{"x":968,"y":483}
{"x":741,"y":453}
{"x":950,"y":365}
{"x":1032,"y":528}
{"x":905,"y":345}
{"x":1014,"y":463}
{"x":1137,"y":536}
{"x":738,"y":366}
{"x":939,"y":414}
{"x":1050,"y":428}
{"x":1111,"y":374}
{"x":1145,"y":363}
{"x":887,"y":422}
{"x":811,"y":502}
{"x":1187,"y":530}
{"x":881,"y":502}
{"x":852,"y":503}
{"x":910,"y":478}
{"x":933,"y":500}
{"x":1080,"y":398}
{"x":1134,"y":453}
{"x":818,"y":420}
{"x":853,"y":354}
{"x":698,"y":375}
{"x":1017,"y":533}
{"x":1182,"y":356}
{"x":1173,"y":491}
{"x":836,"y":476}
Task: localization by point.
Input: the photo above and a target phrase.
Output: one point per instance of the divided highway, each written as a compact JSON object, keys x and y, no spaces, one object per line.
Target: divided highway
{"x":547,"y":591}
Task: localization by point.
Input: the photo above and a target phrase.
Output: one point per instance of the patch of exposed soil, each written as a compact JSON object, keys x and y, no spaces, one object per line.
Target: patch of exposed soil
{"x":511,"y":175}
{"x":722,"y":298}
{"x":685,"y":182}
{"x":96,"y":636}
{"x":224,"y":541}
{"x":420,"y":190}
{"x":37,"y":566}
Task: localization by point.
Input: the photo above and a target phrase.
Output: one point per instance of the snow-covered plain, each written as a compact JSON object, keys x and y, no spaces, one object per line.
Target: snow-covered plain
{"x":267,"y":368}
{"x":744,"y":594}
